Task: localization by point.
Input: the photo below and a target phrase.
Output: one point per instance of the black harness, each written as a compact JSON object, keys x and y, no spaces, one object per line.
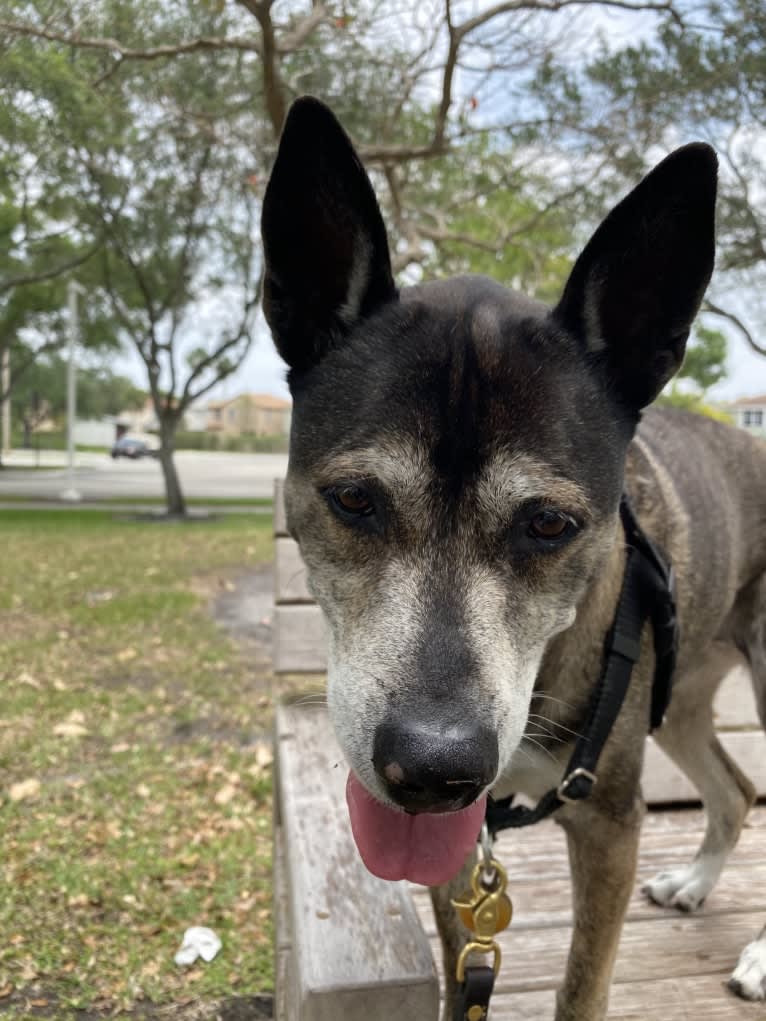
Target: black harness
{"x":648,"y":593}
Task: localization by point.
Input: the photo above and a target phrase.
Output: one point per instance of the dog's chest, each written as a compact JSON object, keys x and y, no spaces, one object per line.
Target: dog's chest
{"x":532,"y":771}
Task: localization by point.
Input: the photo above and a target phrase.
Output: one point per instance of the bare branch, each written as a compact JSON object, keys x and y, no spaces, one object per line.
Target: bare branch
{"x":273,"y":88}
{"x":49,"y":274}
{"x":302,"y":31}
{"x":114,"y":46}
{"x":716,"y":310}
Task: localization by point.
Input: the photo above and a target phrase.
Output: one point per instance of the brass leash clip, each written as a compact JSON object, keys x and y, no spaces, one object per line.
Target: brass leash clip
{"x":485,"y":910}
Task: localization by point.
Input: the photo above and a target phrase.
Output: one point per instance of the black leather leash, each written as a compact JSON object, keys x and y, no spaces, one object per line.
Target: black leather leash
{"x":648,"y":593}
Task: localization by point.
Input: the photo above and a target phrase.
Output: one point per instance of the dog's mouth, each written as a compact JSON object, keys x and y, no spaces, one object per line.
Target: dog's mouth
{"x":427,"y":848}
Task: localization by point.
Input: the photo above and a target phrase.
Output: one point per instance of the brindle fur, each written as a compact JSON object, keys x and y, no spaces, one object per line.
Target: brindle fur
{"x":456,"y":402}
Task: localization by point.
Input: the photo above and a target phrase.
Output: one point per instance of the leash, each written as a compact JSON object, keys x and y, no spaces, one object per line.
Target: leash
{"x":647,"y":593}
{"x":485,"y":909}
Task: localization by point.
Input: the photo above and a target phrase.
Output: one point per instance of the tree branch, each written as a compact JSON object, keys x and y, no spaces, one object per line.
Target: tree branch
{"x":49,"y":274}
{"x":273,"y":88}
{"x":122,"y":52}
{"x":716,"y":310}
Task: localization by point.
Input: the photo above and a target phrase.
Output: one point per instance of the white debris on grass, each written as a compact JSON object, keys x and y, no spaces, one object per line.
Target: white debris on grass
{"x":199,"y":941}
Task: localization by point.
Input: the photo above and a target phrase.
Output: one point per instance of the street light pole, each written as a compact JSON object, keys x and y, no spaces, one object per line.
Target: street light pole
{"x":73,"y":289}
{"x":5,"y":403}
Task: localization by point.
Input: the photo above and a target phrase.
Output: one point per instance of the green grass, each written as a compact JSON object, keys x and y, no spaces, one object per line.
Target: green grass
{"x":131,"y":717}
{"x":143,"y":501}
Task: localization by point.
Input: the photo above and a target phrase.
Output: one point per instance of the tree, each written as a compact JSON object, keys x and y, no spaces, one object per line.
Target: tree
{"x":40,"y":393}
{"x":151,"y":164}
{"x":701,"y":73}
{"x":703,"y":367}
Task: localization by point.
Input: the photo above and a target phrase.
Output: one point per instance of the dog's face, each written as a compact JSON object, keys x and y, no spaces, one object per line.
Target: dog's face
{"x":457,"y":452}
{"x":451,"y":502}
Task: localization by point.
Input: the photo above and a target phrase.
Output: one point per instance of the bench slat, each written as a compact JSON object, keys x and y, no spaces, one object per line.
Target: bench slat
{"x":289,"y":573}
{"x":358,"y":950}
{"x":299,"y":639}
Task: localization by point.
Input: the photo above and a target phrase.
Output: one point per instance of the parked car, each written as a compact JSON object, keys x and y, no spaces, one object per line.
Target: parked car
{"x":126,"y":446}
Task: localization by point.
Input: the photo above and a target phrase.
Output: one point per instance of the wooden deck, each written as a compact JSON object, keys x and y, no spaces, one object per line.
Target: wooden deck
{"x":671,"y":967}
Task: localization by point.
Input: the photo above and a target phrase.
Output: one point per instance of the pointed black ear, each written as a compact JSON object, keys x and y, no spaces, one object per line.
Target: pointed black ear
{"x":635,"y":290}
{"x":325,"y":246}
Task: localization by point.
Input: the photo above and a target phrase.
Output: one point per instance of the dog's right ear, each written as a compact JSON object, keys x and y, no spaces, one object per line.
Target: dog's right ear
{"x":327,"y":263}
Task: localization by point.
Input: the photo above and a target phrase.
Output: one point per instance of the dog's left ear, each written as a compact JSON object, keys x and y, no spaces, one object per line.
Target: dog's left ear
{"x":635,"y":290}
{"x":324,"y":241}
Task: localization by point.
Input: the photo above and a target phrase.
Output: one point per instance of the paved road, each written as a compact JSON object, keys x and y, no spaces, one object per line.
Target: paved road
{"x":98,"y":477}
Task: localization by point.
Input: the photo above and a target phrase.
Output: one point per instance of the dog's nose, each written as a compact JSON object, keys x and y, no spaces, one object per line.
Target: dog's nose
{"x":434,"y":769}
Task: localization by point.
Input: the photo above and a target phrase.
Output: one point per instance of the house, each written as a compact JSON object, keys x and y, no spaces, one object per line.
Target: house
{"x":195,"y":418}
{"x":750,"y":413}
{"x":252,"y":414}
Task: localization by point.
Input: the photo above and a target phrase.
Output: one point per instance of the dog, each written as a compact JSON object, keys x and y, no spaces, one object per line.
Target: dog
{"x":457,"y":459}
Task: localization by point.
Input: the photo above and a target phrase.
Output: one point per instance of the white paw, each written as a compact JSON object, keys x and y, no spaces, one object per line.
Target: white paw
{"x":748,"y":979}
{"x":686,"y":886}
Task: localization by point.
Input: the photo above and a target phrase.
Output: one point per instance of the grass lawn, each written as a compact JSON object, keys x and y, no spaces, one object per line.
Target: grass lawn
{"x":134,"y":796}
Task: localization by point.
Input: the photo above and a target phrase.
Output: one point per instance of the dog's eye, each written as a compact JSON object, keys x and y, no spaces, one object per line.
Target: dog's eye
{"x":353,"y":500}
{"x":550,"y":525}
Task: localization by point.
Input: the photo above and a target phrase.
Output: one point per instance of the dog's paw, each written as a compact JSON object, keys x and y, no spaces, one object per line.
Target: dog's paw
{"x":684,"y":887}
{"x":748,"y":979}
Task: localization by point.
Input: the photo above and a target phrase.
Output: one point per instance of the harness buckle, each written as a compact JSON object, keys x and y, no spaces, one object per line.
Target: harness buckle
{"x":562,"y":791}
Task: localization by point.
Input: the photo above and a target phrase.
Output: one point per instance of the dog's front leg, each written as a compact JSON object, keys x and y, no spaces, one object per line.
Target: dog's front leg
{"x":453,"y":933}
{"x":603,"y":848}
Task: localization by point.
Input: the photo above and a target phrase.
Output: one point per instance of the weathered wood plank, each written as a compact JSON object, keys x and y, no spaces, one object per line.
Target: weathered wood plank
{"x":280,"y":518}
{"x":664,"y":783}
{"x":540,"y":905}
{"x":299,"y":639}
{"x":289,"y":573}
{"x":358,"y":948}
{"x":700,"y":998}
{"x":671,"y":947}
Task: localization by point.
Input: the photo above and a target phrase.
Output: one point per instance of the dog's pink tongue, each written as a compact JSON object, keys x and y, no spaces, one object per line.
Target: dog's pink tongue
{"x":426,"y":848}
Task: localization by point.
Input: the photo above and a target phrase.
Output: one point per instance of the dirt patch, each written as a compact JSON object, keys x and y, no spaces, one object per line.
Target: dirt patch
{"x":244,"y":606}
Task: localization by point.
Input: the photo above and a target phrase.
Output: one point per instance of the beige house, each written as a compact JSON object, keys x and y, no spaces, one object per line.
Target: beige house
{"x":252,"y":414}
{"x":749,"y":413}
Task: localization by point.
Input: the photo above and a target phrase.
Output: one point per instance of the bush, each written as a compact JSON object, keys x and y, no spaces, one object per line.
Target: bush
{"x":248,"y":443}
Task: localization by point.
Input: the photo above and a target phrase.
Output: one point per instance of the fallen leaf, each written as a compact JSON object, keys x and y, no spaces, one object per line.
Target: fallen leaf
{"x":29,"y":680}
{"x":69,"y":730}
{"x":264,"y":756}
{"x":25,"y":790}
{"x":143,"y":791}
{"x":6,"y":990}
{"x":125,"y":654}
{"x":225,"y":794}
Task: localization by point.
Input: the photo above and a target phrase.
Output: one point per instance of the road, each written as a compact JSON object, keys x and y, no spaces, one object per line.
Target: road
{"x":97,"y":477}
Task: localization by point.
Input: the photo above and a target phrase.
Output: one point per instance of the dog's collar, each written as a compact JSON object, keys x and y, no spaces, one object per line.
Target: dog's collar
{"x":648,"y":593}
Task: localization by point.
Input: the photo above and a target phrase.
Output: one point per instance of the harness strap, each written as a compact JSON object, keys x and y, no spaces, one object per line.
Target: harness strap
{"x":647,"y":591}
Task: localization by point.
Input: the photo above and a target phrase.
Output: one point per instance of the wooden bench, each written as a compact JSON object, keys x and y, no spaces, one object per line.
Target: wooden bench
{"x":349,"y":947}
{"x":300,"y":646}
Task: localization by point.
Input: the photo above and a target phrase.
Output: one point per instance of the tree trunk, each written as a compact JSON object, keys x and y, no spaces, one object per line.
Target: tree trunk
{"x":174,"y":497}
